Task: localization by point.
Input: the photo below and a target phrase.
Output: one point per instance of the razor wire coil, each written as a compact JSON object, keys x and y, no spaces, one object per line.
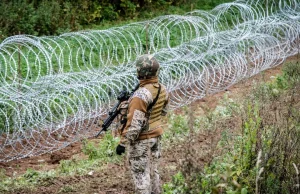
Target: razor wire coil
{"x":53,"y":90}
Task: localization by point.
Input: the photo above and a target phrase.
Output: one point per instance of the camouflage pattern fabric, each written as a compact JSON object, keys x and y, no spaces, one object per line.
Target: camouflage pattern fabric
{"x":143,"y":158}
{"x":121,"y":121}
{"x":147,"y":67}
{"x":137,"y":124}
{"x":122,"y":117}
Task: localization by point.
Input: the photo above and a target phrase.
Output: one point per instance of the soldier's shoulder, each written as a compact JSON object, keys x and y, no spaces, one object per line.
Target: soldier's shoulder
{"x":163,"y":87}
{"x":154,"y":87}
{"x":144,"y":94}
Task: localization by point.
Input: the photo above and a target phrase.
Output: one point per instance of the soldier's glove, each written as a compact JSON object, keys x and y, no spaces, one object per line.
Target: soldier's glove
{"x":120,"y":149}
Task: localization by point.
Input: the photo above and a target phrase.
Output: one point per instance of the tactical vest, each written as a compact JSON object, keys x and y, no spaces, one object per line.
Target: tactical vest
{"x":155,"y":115}
{"x":153,"y":127}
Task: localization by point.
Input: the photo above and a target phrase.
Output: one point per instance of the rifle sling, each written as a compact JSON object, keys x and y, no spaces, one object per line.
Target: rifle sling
{"x":149,"y":109}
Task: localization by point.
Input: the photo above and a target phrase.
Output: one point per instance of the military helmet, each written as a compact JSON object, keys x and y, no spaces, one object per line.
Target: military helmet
{"x":147,"y":67}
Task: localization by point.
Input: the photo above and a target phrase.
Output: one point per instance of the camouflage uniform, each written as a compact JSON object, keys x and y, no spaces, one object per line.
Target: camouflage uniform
{"x":143,"y":130}
{"x":144,"y":157}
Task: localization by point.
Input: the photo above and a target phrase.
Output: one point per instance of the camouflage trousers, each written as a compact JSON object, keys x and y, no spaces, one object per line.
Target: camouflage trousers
{"x":143,"y":156}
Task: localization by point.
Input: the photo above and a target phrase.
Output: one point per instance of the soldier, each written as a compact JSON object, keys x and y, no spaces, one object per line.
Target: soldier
{"x":142,"y":131}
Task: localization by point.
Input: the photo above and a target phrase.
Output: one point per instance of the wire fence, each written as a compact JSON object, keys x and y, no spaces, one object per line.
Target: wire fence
{"x":53,"y":90}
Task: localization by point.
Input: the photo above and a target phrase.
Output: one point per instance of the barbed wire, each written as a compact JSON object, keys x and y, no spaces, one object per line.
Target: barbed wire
{"x":54,"y":90}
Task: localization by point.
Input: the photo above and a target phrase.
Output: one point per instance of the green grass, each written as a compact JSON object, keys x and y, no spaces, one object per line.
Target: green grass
{"x":98,"y":156}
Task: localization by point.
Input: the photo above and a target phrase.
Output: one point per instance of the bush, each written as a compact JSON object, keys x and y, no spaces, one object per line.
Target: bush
{"x":17,"y":16}
{"x":48,"y":17}
{"x":52,"y":17}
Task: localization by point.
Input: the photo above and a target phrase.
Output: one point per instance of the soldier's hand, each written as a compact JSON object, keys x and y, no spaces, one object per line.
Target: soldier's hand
{"x":120,"y":149}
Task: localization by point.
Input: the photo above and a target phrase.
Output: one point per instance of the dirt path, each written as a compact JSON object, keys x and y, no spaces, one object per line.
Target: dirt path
{"x":115,"y":178}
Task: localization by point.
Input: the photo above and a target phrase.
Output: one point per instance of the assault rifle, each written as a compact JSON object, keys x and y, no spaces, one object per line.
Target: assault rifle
{"x":123,"y":96}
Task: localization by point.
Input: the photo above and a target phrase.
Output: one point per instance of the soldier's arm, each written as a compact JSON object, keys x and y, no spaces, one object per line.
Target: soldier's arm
{"x":136,"y":117}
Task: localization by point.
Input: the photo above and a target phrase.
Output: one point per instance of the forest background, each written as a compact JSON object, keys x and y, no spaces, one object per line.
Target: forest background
{"x":54,"y":17}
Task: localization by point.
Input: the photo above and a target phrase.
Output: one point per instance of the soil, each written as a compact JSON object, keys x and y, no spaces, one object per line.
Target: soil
{"x":115,"y":178}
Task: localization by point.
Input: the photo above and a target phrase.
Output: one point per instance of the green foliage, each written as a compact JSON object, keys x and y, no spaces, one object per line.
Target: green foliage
{"x":27,"y":180}
{"x":226,"y":108}
{"x":105,"y":149}
{"x":291,"y":72}
{"x":177,"y":127}
{"x":177,"y":186}
{"x":98,"y":155}
{"x":2,"y":174}
{"x":30,"y":174}
{"x":7,"y":116}
{"x":17,"y":16}
{"x":251,"y":125}
{"x":179,"y":124}
{"x":129,"y":6}
{"x":271,"y":91}
{"x":52,"y":17}
{"x":71,"y":167}
{"x":48,"y":17}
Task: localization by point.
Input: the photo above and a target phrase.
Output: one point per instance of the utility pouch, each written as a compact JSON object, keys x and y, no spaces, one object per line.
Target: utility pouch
{"x":122,"y":117}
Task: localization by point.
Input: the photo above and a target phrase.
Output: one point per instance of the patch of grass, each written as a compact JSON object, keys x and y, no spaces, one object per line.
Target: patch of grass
{"x":99,"y":155}
{"x":67,"y":189}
